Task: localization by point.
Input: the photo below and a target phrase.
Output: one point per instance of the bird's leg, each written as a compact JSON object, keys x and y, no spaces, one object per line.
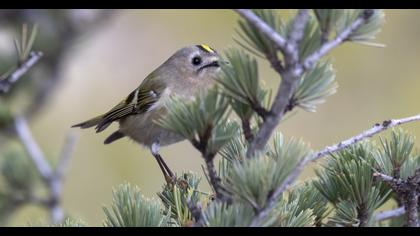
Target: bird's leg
{"x":167,"y":173}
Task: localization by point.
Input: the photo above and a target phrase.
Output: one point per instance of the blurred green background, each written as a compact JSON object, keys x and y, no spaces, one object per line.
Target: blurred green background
{"x":104,"y":65}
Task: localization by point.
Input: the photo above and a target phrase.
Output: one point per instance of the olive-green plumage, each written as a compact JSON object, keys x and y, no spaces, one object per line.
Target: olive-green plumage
{"x":184,"y":74}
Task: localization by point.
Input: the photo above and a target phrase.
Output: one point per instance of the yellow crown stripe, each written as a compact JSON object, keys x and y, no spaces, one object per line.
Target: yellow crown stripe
{"x":207,"y":48}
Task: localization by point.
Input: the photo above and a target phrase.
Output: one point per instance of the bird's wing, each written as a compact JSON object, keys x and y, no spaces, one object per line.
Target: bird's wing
{"x":137,"y":102}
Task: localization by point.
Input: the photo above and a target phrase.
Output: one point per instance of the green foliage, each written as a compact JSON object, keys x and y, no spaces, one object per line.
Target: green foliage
{"x":5,"y":115}
{"x":71,"y":222}
{"x":311,"y":40}
{"x":308,"y":197}
{"x":240,"y":83}
{"x":7,"y":207}
{"x":345,"y":182}
{"x":290,"y":214}
{"x":200,"y":121}
{"x":345,"y":215}
{"x":395,"y":158}
{"x":255,"y":41}
{"x":287,"y":153}
{"x":130,"y":208}
{"x":315,"y":86}
{"x":17,"y":172}
{"x":176,"y":197}
{"x":348,"y":176}
{"x":366,"y":32}
{"x":234,"y":150}
{"x":24,"y":45}
{"x":246,"y":182}
{"x":327,"y":18}
{"x":219,"y":214}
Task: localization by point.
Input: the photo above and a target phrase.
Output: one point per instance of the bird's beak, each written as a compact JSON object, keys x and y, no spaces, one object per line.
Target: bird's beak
{"x":211,"y":64}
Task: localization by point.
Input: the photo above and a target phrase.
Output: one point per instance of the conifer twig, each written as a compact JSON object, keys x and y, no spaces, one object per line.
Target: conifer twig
{"x":287,"y":86}
{"x":311,"y":60}
{"x":377,"y":128}
{"x":263,"y":27}
{"x":293,"y":67}
{"x":408,"y":190}
{"x":6,"y":83}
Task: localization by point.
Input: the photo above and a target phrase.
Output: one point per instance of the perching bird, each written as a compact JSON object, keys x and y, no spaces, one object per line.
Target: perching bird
{"x":184,"y":74}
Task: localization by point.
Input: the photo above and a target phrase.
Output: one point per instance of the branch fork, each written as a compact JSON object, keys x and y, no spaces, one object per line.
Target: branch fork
{"x":53,"y":178}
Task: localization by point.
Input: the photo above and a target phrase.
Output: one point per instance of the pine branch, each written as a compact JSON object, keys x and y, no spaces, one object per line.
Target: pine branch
{"x":263,"y":27}
{"x":295,"y":37}
{"x":385,"y":215}
{"x":293,"y":68}
{"x":377,"y":128}
{"x":287,"y":86}
{"x":339,"y":39}
{"x":7,"y":82}
{"x":408,"y":191}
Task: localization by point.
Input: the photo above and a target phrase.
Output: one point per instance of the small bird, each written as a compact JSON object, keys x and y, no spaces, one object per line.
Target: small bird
{"x":185,"y":73}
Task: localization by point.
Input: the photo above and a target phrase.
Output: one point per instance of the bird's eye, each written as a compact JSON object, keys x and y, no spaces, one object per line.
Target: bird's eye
{"x":196,"y":61}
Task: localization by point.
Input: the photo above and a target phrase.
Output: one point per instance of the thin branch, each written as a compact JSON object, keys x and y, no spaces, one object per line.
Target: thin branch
{"x":385,"y":215}
{"x":263,"y":27}
{"x":32,"y":148}
{"x":214,"y":179}
{"x":52,"y":179}
{"x":66,"y":155}
{"x":386,"y":178}
{"x":377,"y":128}
{"x":295,"y":36}
{"x":6,"y":83}
{"x":340,"y":38}
{"x":56,"y":182}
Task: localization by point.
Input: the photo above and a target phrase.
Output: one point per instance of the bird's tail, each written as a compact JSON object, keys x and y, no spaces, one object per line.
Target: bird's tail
{"x":90,"y":123}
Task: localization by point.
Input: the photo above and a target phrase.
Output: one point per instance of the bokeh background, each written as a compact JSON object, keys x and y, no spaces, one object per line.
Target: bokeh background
{"x":107,"y":61}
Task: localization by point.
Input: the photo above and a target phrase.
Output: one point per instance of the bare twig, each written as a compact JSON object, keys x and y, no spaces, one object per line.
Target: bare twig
{"x":385,"y":215}
{"x":6,"y":83}
{"x":53,"y":179}
{"x":386,"y":178}
{"x":32,"y":148}
{"x":377,"y":128}
{"x":66,"y":153}
{"x":214,"y":179}
{"x":295,"y":37}
{"x":340,"y":38}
